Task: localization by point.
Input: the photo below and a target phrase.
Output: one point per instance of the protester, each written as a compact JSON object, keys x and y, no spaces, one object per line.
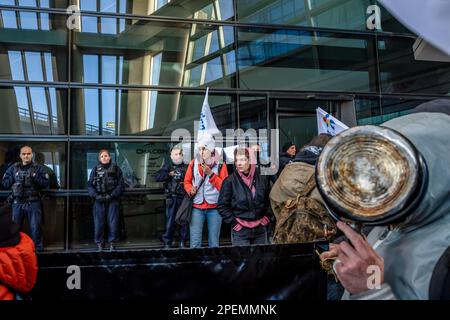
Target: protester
{"x":203,"y":181}
{"x":26,"y":179}
{"x":18,"y":263}
{"x":172,"y":174}
{"x":106,"y":186}
{"x":287,"y":155}
{"x":294,"y":180}
{"x":406,"y":253}
{"x":244,"y":201}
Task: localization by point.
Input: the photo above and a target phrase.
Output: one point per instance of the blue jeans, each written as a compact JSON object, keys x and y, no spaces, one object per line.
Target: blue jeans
{"x":196,"y":227}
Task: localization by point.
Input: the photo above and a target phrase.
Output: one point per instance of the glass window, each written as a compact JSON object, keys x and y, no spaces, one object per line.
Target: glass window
{"x":54,"y":213}
{"x":252,"y":112}
{"x":52,"y":155}
{"x":142,"y":220}
{"x":300,"y":60}
{"x":180,"y":53}
{"x":33,"y":110}
{"x":334,"y":14}
{"x":54,"y":210}
{"x":196,"y":9}
{"x":367,"y":111}
{"x":62,"y":4}
{"x":402,"y":72}
{"x":396,"y":107}
{"x":40,"y":57}
{"x":9,"y":19}
{"x":138,"y":160}
{"x":152,"y":113}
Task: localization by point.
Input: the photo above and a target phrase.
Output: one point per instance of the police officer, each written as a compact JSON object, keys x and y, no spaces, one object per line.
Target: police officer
{"x":172,"y":174}
{"x":26,"y":179}
{"x":106,"y":186}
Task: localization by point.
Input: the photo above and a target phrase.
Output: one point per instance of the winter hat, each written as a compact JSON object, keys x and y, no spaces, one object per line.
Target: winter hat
{"x":207,"y":142}
{"x":287,"y":145}
{"x":9,"y":230}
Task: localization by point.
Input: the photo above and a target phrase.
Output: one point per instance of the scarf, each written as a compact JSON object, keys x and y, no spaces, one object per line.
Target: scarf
{"x":248,"y":179}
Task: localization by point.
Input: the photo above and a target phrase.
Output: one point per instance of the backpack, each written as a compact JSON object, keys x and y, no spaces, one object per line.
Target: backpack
{"x":302,"y":218}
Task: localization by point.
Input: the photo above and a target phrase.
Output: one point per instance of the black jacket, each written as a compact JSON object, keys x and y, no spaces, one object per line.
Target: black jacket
{"x":235,"y":199}
{"x":285,"y":159}
{"x":173,"y":185}
{"x":308,"y":155}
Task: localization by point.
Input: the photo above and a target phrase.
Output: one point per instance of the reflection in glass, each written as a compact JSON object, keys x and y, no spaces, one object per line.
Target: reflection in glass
{"x":301,"y":60}
{"x":152,"y":113}
{"x":138,"y":161}
{"x":27,"y":20}
{"x":401,"y":72}
{"x":334,"y":14}
{"x":157,"y":53}
{"x":141,"y":215}
{"x":103,"y":25}
{"x":204,"y":9}
{"x":39,"y":54}
{"x":33,"y":110}
{"x":49,"y":154}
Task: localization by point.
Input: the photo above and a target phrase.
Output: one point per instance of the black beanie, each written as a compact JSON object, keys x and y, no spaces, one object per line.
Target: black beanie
{"x":9,"y":230}
{"x":287,"y":145}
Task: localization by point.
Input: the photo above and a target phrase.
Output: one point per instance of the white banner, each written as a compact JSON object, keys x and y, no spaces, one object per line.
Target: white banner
{"x":326,"y":123}
{"x":207,"y":125}
{"x":430,"y":19}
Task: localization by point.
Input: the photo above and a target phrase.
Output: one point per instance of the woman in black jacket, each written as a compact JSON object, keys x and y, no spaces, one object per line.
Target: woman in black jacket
{"x":244,"y":201}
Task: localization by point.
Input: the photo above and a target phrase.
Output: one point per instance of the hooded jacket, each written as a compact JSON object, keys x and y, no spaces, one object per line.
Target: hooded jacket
{"x":412,"y":248}
{"x":18,"y":268}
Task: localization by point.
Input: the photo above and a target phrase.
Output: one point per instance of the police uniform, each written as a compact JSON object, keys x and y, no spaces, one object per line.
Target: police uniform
{"x":26,"y":181}
{"x":106,"y":186}
{"x":174,"y":191}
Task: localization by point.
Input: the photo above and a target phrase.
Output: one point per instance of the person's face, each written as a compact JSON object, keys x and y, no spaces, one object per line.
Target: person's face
{"x":104,"y":158}
{"x":205,"y":153}
{"x":292,"y":151}
{"x":176,"y":156}
{"x":26,"y":155}
{"x":242,"y":163}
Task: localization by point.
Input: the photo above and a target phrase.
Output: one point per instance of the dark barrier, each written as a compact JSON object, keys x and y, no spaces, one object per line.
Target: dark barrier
{"x":269,"y":272}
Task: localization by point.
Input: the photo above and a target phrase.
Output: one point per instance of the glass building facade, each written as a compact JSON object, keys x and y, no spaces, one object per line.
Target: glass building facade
{"x":123,"y":74}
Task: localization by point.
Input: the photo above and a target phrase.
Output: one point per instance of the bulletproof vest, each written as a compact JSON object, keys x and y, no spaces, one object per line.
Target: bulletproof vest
{"x":105,"y":179}
{"x":174,"y":187}
{"x":23,"y":187}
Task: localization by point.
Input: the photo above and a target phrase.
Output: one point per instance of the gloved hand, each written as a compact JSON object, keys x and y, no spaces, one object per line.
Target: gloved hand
{"x":100,"y":198}
{"x":107,"y":198}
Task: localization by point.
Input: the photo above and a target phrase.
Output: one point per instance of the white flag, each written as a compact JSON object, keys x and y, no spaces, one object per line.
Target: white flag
{"x":326,"y":123}
{"x":207,"y":125}
{"x":428,"y":18}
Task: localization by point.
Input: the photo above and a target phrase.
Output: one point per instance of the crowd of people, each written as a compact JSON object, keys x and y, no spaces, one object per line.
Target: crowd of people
{"x":250,"y":202}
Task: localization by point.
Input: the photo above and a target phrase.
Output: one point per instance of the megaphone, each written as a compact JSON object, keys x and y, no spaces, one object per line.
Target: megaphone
{"x":371,"y":175}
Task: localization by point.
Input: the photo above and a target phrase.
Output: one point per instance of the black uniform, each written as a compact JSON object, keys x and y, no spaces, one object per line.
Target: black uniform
{"x":175,"y":192}
{"x":26,"y":181}
{"x":106,"y":186}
